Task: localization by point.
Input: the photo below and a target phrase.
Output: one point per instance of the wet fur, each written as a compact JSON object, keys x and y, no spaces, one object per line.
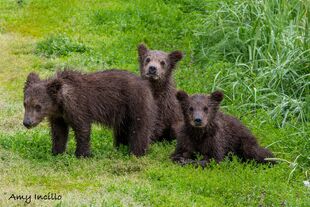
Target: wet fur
{"x":169,"y":114}
{"x":222,"y":134}
{"x":115,"y":98}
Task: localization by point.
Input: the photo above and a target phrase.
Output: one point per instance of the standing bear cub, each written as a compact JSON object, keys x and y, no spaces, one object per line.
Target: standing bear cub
{"x":157,"y":67}
{"x":115,"y":98}
{"x":209,"y":132}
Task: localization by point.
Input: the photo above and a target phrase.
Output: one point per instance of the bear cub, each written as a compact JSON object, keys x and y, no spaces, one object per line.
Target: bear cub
{"x":115,"y":98}
{"x":157,"y":67}
{"x":213,"y":134}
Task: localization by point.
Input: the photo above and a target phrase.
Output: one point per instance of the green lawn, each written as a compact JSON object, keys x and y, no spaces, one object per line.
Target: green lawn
{"x":258,"y":53}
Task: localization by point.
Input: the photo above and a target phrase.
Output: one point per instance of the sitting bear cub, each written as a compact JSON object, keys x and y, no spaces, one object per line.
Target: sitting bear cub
{"x":212,"y":134}
{"x":115,"y":98}
{"x":157,"y":67}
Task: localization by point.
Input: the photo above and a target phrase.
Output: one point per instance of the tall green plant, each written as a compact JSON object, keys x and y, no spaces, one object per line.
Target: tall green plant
{"x":268,"y":41}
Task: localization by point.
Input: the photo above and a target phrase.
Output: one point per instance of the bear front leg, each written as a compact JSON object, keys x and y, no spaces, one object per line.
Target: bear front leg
{"x":183,"y":153}
{"x":204,"y":162}
{"x":182,"y":157}
{"x":196,"y":163}
{"x":186,"y":159}
{"x":59,"y":131}
{"x":82,"y":137}
{"x":219,"y":157}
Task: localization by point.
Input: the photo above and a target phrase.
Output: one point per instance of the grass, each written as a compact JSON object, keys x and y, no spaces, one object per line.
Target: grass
{"x":59,"y":45}
{"x":257,"y":52}
{"x":267,"y":41}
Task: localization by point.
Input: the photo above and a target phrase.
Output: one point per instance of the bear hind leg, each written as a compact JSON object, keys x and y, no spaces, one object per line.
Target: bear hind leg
{"x":252,"y":151}
{"x":121,"y":135}
{"x":140,"y":132}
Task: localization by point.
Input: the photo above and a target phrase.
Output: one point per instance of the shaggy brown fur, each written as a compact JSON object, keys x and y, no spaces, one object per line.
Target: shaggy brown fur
{"x":157,"y":67}
{"x":213,"y":134}
{"x":115,"y":98}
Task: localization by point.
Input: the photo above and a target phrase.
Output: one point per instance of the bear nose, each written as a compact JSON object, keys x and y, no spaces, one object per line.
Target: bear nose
{"x":198,"y":121}
{"x":27,"y":123}
{"x":152,"y":70}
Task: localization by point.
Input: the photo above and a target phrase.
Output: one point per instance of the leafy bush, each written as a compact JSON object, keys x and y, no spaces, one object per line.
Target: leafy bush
{"x":59,"y":45}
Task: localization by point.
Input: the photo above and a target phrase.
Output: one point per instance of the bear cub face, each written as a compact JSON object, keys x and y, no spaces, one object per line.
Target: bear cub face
{"x":38,"y":103}
{"x":199,"y":110}
{"x":157,"y":65}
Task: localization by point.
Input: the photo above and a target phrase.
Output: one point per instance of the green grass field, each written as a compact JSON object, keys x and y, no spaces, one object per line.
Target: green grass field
{"x":257,"y":52}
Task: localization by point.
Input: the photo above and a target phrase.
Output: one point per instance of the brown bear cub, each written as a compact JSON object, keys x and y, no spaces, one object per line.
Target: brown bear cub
{"x":118,"y":99}
{"x":209,"y":132}
{"x":157,"y":67}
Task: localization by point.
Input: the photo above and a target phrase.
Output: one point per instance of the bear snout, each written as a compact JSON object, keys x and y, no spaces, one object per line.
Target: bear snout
{"x":152,"y":70}
{"x":198,"y":121}
{"x":27,"y":123}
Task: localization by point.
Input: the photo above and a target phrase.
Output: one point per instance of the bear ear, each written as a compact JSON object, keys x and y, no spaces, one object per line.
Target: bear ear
{"x":142,"y":50}
{"x":175,"y":57}
{"x":53,"y":88}
{"x":217,"y":96}
{"x":181,"y":96}
{"x":31,"y":79}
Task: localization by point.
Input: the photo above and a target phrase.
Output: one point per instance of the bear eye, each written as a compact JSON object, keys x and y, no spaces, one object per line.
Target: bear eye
{"x":37,"y":108}
{"x":191,"y":108}
{"x":205,"y":109}
{"x":162,"y":63}
{"x":147,"y":60}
